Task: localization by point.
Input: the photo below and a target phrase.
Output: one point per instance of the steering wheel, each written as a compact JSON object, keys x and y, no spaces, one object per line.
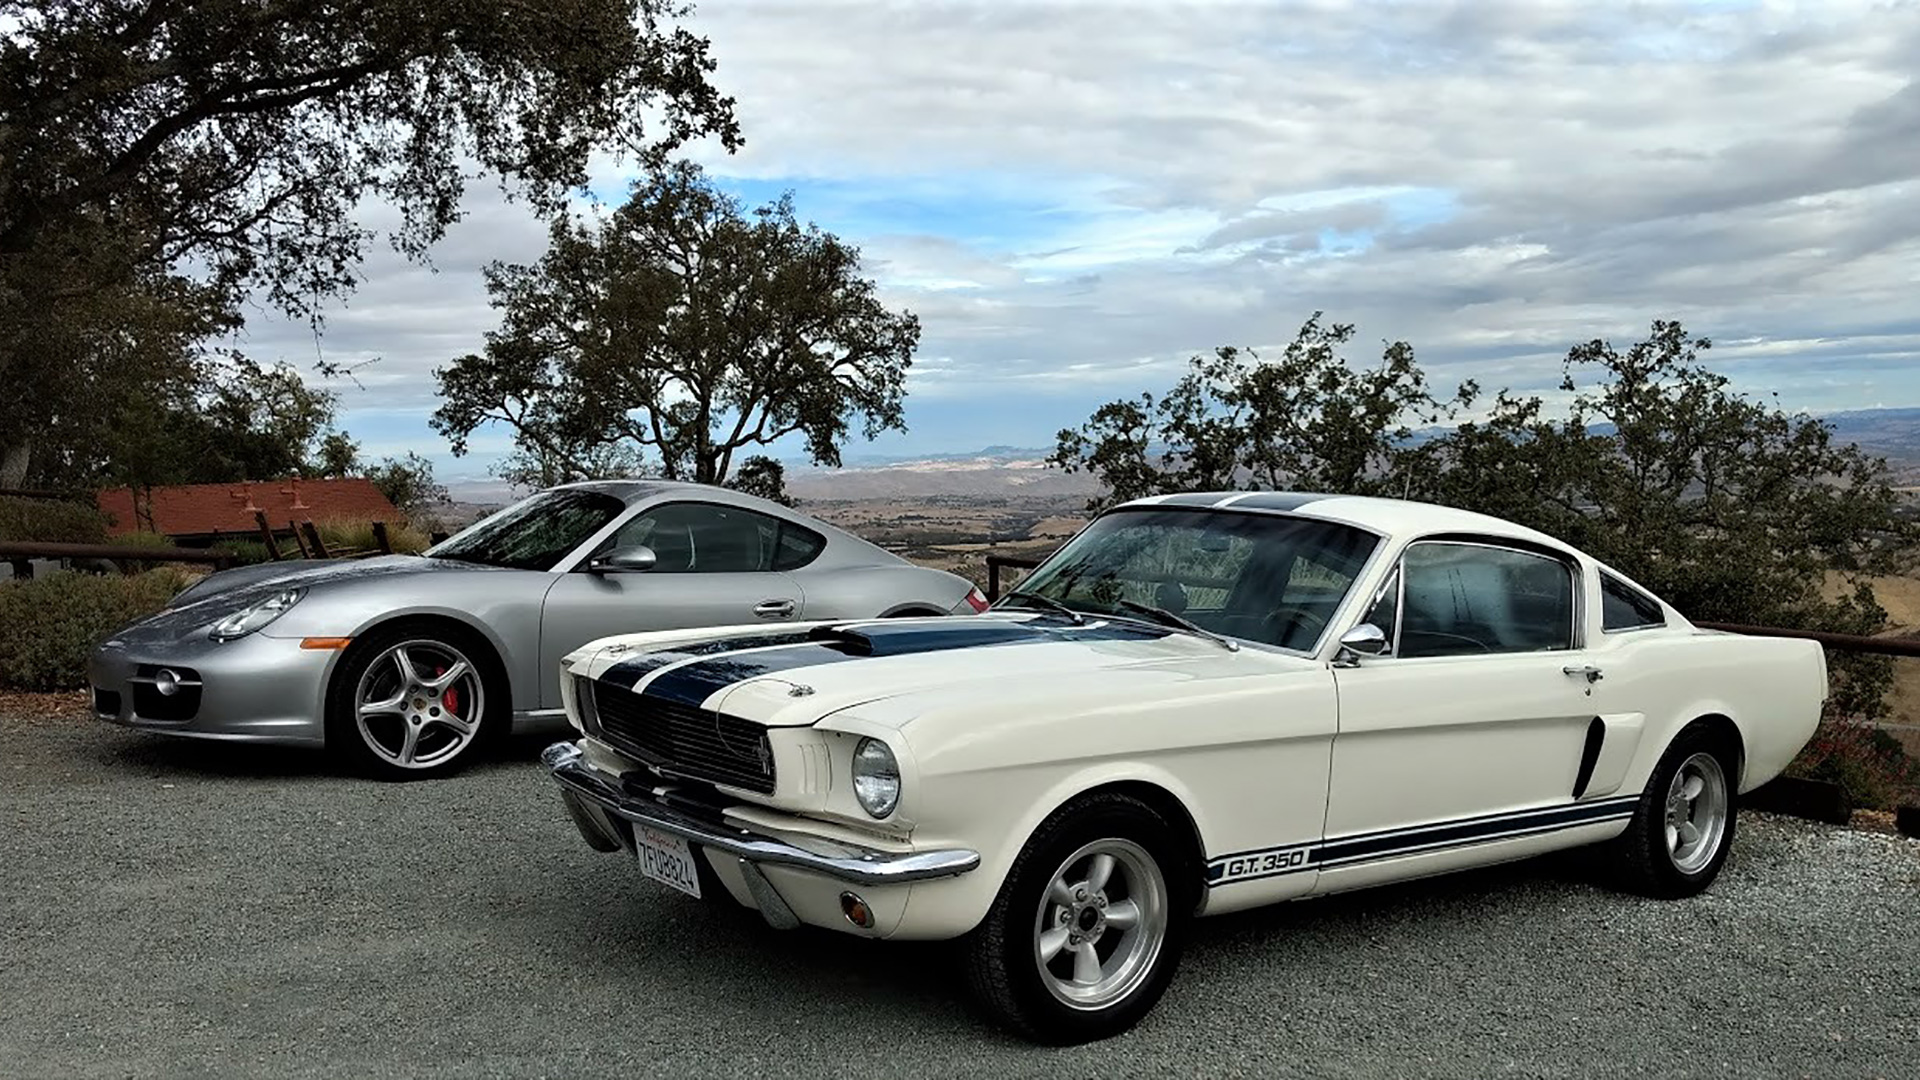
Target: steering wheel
{"x":1284,"y":623}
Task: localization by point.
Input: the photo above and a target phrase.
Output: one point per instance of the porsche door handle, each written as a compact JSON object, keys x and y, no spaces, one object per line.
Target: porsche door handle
{"x":773,"y":609}
{"x":1586,"y":671}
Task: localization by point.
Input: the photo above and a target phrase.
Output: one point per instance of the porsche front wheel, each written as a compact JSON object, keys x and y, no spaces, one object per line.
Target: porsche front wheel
{"x":1086,"y":932}
{"x":411,"y":704}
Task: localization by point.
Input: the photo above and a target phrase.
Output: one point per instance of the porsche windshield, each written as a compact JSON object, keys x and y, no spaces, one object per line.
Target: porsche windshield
{"x":1260,"y":577}
{"x":535,"y":533}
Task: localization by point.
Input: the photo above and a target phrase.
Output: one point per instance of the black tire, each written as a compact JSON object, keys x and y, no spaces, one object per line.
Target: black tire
{"x":1644,"y":860}
{"x":490,"y":720}
{"x":1003,"y":960}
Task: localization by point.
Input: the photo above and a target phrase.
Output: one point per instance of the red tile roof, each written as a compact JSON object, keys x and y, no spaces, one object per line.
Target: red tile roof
{"x":202,"y":509}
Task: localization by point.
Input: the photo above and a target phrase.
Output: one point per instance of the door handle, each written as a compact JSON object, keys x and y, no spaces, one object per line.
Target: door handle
{"x":1586,"y":671}
{"x":773,"y":609}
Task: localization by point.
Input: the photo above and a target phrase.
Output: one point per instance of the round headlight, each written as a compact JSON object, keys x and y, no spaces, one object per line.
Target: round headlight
{"x":876,"y":778}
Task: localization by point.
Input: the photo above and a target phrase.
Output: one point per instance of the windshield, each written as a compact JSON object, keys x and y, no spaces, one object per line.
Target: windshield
{"x":1261,"y":577}
{"x":535,"y":533}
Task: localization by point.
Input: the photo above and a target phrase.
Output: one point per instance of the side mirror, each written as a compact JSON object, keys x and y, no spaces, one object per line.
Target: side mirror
{"x":1363,"y":640}
{"x":637,"y":559}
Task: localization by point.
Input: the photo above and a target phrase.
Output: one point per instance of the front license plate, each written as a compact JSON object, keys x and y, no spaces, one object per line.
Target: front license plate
{"x":667,"y":859}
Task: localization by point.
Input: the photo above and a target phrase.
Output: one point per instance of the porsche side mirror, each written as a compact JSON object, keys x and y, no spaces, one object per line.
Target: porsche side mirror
{"x":637,"y":559}
{"x":1363,"y":640}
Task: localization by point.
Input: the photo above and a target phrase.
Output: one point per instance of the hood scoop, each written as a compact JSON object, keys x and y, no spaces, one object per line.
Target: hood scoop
{"x":926,"y":635}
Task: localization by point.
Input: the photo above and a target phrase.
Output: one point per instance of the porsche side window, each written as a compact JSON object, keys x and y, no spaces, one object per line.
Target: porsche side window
{"x":1467,"y":599}
{"x":703,"y":538}
{"x":1623,"y":607}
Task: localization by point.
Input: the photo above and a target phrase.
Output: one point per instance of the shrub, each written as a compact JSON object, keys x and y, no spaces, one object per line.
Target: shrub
{"x":141,"y":539}
{"x":1870,"y":765}
{"x":248,"y":552}
{"x":48,"y":624}
{"x":345,"y":534}
{"x":50,"y":521}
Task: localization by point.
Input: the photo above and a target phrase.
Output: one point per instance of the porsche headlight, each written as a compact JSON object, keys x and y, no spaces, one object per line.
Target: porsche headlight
{"x":247,"y":620}
{"x":876,"y":778}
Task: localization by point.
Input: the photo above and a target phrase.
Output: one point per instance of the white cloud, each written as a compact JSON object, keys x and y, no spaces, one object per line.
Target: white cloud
{"x":1083,"y":194}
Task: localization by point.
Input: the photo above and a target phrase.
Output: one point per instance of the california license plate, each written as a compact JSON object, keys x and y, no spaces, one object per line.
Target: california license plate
{"x":666,"y":858}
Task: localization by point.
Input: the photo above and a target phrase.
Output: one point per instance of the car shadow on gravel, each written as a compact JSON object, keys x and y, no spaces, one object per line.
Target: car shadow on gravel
{"x":641,"y":943}
{"x":174,"y":756}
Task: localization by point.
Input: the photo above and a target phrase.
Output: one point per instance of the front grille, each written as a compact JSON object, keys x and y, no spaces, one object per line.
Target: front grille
{"x":684,"y":739}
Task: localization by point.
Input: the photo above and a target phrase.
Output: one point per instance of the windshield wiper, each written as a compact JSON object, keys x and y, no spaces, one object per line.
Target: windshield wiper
{"x":1168,"y":618}
{"x":1048,"y":603}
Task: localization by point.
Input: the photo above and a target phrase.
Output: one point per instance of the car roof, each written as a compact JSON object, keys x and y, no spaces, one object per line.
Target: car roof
{"x":1389,"y":517}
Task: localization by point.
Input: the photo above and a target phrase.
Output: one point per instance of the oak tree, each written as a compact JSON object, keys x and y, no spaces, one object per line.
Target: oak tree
{"x":683,"y":331}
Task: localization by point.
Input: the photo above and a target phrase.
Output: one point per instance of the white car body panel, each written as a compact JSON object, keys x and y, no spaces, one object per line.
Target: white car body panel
{"x":1298,"y":775}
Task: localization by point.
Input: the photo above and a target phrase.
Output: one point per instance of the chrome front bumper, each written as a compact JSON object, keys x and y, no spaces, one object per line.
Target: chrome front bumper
{"x":583,"y":786}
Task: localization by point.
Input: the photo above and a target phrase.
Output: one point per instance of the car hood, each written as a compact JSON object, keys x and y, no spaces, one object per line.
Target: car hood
{"x":798,"y":675}
{"x":220,"y":594}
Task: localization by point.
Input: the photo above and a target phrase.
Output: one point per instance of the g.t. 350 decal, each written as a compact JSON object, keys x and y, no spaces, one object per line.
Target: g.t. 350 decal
{"x":1256,"y":864}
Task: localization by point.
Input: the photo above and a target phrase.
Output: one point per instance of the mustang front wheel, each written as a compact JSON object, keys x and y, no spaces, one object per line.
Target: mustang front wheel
{"x":1085,"y":934}
{"x":409,"y":705}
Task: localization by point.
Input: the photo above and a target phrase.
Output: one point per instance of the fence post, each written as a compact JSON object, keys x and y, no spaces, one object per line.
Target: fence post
{"x":266,"y":533}
{"x":993,"y":579}
{"x":22,"y":570}
{"x":313,"y":540}
{"x":298,"y":540}
{"x":380,"y":538}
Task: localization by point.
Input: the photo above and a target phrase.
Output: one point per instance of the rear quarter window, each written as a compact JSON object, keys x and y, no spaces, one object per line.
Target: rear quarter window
{"x":1623,"y":607}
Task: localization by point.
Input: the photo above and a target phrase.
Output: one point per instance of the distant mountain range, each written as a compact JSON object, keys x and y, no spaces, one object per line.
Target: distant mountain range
{"x":1020,"y":471}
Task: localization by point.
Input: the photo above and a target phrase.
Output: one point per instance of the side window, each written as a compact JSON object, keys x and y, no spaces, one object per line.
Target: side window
{"x":795,"y":547}
{"x":1467,"y":599}
{"x":1623,"y":607}
{"x":704,"y":538}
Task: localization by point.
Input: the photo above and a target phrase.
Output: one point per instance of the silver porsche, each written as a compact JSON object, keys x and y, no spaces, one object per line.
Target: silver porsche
{"x":406,"y":664}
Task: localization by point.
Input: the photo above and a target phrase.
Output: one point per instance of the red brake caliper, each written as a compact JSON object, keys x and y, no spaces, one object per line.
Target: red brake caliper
{"x":451,"y":699}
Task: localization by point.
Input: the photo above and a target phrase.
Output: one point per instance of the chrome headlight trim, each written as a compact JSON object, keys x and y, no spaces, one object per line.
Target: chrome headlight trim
{"x":876,"y":777}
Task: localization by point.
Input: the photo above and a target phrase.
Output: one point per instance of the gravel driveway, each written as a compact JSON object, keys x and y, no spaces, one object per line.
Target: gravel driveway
{"x":170,"y":908}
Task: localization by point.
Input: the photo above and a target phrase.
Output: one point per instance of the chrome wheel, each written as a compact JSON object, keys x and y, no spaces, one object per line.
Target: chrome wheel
{"x":419,"y":704}
{"x":1696,"y":813}
{"x":1101,"y":924}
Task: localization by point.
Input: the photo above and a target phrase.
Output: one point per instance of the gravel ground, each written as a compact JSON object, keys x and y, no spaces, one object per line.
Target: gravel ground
{"x":171,"y":908}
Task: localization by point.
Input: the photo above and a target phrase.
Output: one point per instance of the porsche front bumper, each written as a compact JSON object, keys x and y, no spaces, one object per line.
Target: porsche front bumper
{"x":256,"y":689}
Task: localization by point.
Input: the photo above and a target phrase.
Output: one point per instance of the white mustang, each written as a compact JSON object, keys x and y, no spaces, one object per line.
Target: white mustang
{"x":1202,"y":703}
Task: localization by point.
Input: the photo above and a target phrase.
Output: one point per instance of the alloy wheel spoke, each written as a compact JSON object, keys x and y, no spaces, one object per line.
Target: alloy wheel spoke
{"x":1673,"y":839}
{"x":439,"y":683}
{"x":1098,"y":871}
{"x":1086,"y":964}
{"x":409,"y":675}
{"x":1692,"y":788}
{"x":1060,"y":892}
{"x":395,"y":704}
{"x":459,"y":725}
{"x":1689,"y":835}
{"x":409,"y":744}
{"x":1052,"y":941}
{"x":1123,"y":914}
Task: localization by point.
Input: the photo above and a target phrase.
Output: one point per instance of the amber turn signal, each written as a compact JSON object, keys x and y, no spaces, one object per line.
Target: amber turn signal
{"x":325,"y":642}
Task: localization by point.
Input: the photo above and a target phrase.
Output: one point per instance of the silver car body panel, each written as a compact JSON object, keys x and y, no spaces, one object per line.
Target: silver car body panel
{"x":266,"y":687}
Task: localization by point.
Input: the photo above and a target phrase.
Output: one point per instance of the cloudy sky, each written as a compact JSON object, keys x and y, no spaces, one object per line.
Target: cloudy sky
{"x":1075,"y":197}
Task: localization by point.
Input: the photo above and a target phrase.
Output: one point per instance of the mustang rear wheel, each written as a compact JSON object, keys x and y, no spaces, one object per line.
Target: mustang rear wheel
{"x":411,"y":704}
{"x":1683,"y":828}
{"x":1086,"y":932}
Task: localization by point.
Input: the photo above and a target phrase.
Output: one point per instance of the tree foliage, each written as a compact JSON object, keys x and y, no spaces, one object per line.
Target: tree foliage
{"x":685,"y":330}
{"x":232,"y":140}
{"x":1306,"y":420}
